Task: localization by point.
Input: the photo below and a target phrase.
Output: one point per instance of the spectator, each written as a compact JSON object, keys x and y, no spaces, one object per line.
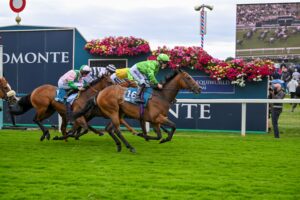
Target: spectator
{"x":291,"y":86}
{"x":296,"y":74}
{"x":285,"y":76}
{"x":276,"y":109}
{"x":297,"y":96}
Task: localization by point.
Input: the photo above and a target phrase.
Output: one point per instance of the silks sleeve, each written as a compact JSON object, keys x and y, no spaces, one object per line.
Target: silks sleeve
{"x":151,"y":77}
{"x":72,"y":85}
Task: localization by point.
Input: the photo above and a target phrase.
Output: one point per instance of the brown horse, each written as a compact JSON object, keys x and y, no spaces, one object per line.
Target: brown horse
{"x":8,"y":95}
{"x":81,"y":122}
{"x":6,"y":92}
{"x":42,"y":99}
{"x":112,"y":104}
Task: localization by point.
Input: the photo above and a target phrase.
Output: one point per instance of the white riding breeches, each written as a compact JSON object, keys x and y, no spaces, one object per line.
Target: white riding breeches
{"x":138,"y":76}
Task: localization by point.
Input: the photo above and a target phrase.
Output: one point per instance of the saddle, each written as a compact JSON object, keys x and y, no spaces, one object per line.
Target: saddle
{"x":64,"y":96}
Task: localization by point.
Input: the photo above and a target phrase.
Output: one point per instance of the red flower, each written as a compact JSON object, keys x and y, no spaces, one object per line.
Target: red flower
{"x":119,"y":46}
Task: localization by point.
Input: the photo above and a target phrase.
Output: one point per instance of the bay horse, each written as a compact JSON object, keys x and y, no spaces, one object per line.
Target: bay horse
{"x":112,"y":104}
{"x":8,"y":95}
{"x":42,"y":99}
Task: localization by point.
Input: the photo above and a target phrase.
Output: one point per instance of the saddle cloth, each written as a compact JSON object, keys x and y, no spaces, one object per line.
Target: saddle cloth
{"x":131,"y":94}
{"x":60,"y":94}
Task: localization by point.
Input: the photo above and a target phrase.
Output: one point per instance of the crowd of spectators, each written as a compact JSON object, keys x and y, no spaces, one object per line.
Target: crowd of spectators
{"x":285,"y":80}
{"x":251,"y":14}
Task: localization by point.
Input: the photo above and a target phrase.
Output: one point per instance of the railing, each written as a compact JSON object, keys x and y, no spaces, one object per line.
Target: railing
{"x":243,"y":102}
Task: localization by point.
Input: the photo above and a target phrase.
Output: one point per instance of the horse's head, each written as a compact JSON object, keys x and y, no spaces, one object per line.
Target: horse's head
{"x":187,"y":82}
{"x":6,"y":92}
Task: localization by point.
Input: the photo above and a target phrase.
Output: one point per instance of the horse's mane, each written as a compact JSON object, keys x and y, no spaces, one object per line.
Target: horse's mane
{"x":170,"y":76}
{"x":3,"y":81}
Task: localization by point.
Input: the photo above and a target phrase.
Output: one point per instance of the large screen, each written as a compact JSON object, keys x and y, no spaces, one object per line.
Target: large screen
{"x":268,"y":30}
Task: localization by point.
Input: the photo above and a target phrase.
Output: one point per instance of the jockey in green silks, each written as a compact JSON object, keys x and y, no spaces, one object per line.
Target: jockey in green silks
{"x":144,"y":73}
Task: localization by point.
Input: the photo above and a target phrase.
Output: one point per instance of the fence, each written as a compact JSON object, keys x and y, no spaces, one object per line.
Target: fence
{"x":243,"y":103}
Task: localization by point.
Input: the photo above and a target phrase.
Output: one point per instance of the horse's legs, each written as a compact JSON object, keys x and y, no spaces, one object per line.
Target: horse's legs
{"x":110,"y":129}
{"x":170,"y":133}
{"x":128,"y":126}
{"x":116,"y":122}
{"x":117,"y":141}
{"x":39,"y":117}
{"x":122,"y":138}
{"x":158,"y":136}
{"x":96,"y":131}
{"x":144,"y":131}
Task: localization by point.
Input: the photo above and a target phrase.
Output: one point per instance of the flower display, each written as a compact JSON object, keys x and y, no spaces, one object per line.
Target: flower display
{"x":118,"y":46}
{"x":237,"y":70}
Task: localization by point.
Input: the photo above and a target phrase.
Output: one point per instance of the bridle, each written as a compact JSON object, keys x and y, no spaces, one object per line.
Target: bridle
{"x":9,"y":95}
{"x":193,"y":86}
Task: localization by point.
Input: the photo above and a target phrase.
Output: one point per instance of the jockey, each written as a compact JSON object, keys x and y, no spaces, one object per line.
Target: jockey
{"x":120,"y":75}
{"x":145,"y":71}
{"x":74,"y":79}
{"x":98,"y":72}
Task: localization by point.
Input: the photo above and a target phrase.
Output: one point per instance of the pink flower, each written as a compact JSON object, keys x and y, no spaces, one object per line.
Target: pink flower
{"x":119,"y":46}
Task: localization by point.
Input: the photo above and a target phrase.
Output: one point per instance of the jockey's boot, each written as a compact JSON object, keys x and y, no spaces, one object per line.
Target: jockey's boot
{"x":68,"y":93}
{"x":139,"y":93}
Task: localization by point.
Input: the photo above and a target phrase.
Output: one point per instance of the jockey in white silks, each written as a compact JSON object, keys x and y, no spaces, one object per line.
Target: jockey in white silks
{"x":98,"y":72}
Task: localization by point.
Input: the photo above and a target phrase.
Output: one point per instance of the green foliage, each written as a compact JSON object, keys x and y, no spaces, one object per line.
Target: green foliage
{"x":192,"y":166}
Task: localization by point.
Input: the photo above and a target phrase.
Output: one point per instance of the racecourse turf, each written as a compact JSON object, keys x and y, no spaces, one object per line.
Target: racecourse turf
{"x":192,"y":166}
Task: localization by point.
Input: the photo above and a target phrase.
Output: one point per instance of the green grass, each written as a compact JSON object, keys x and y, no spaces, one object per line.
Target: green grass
{"x":254,"y":42}
{"x":192,"y":166}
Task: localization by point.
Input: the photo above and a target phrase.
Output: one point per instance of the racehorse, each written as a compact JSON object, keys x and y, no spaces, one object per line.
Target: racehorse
{"x":112,"y":104}
{"x":6,"y":92}
{"x":42,"y":99}
{"x":8,"y":95}
{"x":82,"y":121}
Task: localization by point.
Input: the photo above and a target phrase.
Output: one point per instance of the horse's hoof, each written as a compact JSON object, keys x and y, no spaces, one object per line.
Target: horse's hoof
{"x":48,"y":136}
{"x":55,"y":138}
{"x":42,"y":138}
{"x":119,"y":148}
{"x":76,"y":138}
{"x":140,"y":134}
{"x":100,"y":134}
{"x":132,"y":150}
{"x":162,"y":141}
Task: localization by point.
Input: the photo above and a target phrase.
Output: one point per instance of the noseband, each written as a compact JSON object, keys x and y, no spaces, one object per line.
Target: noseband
{"x":9,"y":95}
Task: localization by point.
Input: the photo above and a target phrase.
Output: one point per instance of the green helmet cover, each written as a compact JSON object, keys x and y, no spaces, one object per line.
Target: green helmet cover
{"x":163,"y":57}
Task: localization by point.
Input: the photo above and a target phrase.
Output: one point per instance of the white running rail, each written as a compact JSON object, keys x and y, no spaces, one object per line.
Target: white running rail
{"x":243,"y":102}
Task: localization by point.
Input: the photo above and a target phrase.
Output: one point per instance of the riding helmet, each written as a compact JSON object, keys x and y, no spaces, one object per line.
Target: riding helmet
{"x":111,"y":68}
{"x":163,"y":57}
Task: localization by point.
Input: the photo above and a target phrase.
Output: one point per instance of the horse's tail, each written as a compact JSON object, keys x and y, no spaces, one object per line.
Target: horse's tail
{"x":22,"y":106}
{"x":88,"y":106}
